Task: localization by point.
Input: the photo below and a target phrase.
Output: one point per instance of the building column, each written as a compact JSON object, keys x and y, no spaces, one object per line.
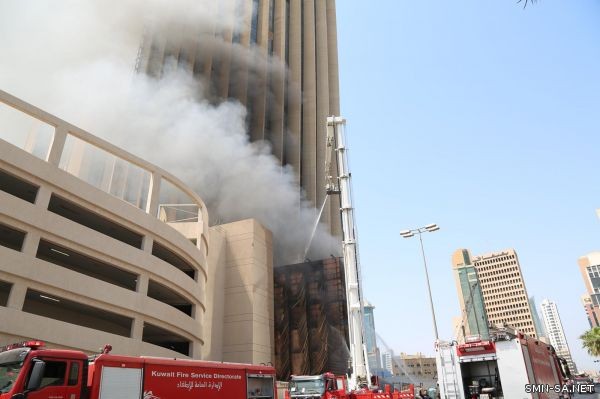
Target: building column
{"x":147,"y":244}
{"x":137,"y":329}
{"x":294,"y":90}
{"x":153,"y":194}
{"x":16,"y":298}
{"x":309,"y":107}
{"x":58,"y":144}
{"x":31,"y":243}
{"x":142,"y":284}
{"x":42,"y":199}
{"x":195,"y":350}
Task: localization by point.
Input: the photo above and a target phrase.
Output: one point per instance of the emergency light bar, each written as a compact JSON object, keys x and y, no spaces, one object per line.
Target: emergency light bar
{"x":24,"y":344}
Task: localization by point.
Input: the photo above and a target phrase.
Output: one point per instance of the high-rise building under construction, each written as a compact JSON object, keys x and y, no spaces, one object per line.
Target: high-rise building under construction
{"x":279,"y":59}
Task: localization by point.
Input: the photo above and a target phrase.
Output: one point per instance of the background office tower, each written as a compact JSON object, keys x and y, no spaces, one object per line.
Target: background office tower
{"x":556,"y":333}
{"x":373,"y":353}
{"x":591,"y":311}
{"x":474,"y":318}
{"x":387,"y":361}
{"x":503,"y":289}
{"x":589,"y":266}
{"x":417,"y":369}
{"x":279,"y":59}
{"x":539,"y":326}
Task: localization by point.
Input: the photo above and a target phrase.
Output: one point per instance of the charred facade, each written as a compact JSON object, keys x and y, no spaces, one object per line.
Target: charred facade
{"x":311,"y":319}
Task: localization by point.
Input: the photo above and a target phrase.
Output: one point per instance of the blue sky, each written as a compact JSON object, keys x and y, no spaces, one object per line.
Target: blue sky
{"x":481,"y":117}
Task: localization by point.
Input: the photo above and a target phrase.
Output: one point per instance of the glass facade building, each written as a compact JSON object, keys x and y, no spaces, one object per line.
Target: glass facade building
{"x":474,"y":317}
{"x":373,"y":355}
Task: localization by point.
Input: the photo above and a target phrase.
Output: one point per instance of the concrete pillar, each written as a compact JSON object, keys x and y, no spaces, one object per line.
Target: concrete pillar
{"x":42,"y":199}
{"x":322,"y":107}
{"x":258,"y":83}
{"x":309,"y":108}
{"x":294,"y":89}
{"x":195,"y":350}
{"x":142,"y":284}
{"x":137,"y":328}
{"x":277,"y":73}
{"x":31,"y":243}
{"x":147,"y":244}
{"x":16,"y":298}
{"x":153,"y":194}
{"x":57,"y":146}
{"x":222,"y":60}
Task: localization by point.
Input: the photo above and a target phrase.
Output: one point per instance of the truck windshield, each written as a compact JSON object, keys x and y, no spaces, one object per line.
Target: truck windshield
{"x":307,"y":386}
{"x":11,"y":363}
{"x":8,"y":375}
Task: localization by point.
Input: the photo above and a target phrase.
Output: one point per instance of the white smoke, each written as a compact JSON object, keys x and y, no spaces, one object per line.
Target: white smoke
{"x":76,"y":59}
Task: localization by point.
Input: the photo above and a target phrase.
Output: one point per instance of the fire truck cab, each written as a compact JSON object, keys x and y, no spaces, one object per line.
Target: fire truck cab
{"x":323,"y":386}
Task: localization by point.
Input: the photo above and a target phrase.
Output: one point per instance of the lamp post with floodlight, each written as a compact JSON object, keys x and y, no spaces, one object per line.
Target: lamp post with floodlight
{"x":420,"y":230}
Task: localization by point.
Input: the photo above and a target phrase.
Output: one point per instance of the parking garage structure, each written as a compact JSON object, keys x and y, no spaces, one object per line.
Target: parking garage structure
{"x":96,"y":245}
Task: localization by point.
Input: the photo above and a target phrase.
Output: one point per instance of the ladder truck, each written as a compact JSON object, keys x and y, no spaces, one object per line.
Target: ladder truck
{"x":360,"y":384}
{"x":336,"y":141}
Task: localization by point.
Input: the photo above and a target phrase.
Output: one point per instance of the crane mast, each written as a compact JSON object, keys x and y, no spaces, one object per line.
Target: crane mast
{"x":336,"y":141}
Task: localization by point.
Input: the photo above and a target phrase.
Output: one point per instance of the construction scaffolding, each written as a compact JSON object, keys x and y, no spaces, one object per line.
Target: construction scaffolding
{"x":311,"y":319}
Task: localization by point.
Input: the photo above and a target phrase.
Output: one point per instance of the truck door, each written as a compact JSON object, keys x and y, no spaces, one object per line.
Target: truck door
{"x":75,"y":382}
{"x":54,"y":381}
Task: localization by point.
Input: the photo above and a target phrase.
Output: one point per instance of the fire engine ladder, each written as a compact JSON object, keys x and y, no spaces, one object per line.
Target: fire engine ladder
{"x":336,"y":141}
{"x":448,"y":377}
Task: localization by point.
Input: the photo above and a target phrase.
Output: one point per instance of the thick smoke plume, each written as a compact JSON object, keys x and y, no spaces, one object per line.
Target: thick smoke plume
{"x":76,"y":59}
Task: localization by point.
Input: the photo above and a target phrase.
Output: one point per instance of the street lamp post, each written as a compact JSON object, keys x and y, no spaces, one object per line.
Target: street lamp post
{"x":420,"y":230}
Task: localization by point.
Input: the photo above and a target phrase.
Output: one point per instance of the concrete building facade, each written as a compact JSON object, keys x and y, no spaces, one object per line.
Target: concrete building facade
{"x":556,"y":333}
{"x":504,"y":292}
{"x":417,"y":369}
{"x":98,"y":246}
{"x":592,"y":312}
{"x":279,"y":59}
{"x":498,"y":275}
{"x":589,"y":266}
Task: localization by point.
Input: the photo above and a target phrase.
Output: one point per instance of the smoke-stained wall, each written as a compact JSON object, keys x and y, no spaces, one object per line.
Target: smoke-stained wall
{"x":311,"y":319}
{"x":277,"y":58}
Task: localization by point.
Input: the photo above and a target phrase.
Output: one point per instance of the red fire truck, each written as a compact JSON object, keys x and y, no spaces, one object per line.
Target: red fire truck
{"x":508,"y":365}
{"x":29,"y":371}
{"x":330,"y":386}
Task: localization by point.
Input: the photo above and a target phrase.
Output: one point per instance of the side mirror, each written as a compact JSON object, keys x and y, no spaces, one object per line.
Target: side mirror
{"x":35,"y":378}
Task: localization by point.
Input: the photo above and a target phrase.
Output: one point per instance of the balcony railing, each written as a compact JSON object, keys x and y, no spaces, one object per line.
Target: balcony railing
{"x":99,"y":163}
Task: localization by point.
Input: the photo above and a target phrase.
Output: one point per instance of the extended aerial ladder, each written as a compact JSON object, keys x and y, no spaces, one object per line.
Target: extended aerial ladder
{"x":336,"y":142}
